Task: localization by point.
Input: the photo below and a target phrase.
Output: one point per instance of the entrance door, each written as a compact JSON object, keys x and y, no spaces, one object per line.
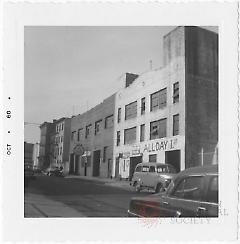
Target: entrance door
{"x":96,"y":162}
{"x":109,"y":168}
{"x":71,"y":165}
{"x":133,"y":162}
{"x":117,"y":167}
{"x":76,"y":171}
{"x":173,"y":158}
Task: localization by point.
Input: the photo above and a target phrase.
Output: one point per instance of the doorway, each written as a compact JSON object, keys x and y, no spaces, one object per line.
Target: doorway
{"x":133,"y":162}
{"x":117,"y":168}
{"x":173,"y":158}
{"x":96,"y":163}
{"x":76,"y":170}
{"x":71,"y":165}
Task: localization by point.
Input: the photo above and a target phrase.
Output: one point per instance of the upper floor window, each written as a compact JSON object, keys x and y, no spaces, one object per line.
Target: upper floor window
{"x":119,"y":115}
{"x":159,"y":99}
{"x":176,"y":124}
{"x":130,"y":135}
{"x":88,"y":130}
{"x":118,"y":138}
{"x":142,"y":132}
{"x":97,"y":127}
{"x":104,"y":154}
{"x":109,"y":122}
{"x":79,"y":134}
{"x":158,"y":129}
{"x":143,"y":105}
{"x":62,"y":126}
{"x":73,"y":135}
{"x":153,"y":158}
{"x":176,"y":92}
{"x":131,"y":110}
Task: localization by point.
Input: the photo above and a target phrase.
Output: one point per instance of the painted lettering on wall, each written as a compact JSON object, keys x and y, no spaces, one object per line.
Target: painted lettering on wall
{"x":160,"y":145}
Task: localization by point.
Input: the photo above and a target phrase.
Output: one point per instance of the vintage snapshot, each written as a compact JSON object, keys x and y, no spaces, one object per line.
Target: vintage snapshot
{"x":123,"y":123}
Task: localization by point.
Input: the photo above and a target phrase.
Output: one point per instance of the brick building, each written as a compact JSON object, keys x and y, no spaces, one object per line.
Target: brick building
{"x":91,"y":145}
{"x":170,"y":115}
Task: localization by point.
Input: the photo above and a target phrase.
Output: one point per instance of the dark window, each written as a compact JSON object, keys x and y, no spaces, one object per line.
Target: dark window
{"x":62,"y":126}
{"x":88,"y":130}
{"x":152,"y":169}
{"x":104,"y":154}
{"x":119,"y":115}
{"x":142,"y":133}
{"x":72,"y":136}
{"x":153,"y":158}
{"x":143,"y":105}
{"x":158,"y":129}
{"x":212,"y":194}
{"x":130,"y":135}
{"x":131,"y":110}
{"x":138,"y":169}
{"x":109,"y":122}
{"x":176,"y":92}
{"x":189,"y":188}
{"x":159,"y":99}
{"x":118,"y":138}
{"x":176,"y":124}
{"x":97,"y":127}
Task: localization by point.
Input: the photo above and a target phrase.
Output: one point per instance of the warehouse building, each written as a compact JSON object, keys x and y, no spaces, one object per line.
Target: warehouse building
{"x":170,"y":115}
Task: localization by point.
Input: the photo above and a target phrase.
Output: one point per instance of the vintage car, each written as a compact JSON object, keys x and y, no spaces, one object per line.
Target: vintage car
{"x":192,"y":193}
{"x":156,"y":176}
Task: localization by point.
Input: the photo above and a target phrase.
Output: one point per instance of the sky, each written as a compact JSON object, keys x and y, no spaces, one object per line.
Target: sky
{"x":68,"y":70}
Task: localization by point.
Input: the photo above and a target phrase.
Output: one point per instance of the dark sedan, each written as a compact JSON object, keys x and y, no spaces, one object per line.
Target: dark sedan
{"x":192,"y":193}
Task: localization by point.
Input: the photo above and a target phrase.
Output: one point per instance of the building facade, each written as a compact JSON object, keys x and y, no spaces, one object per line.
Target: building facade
{"x":60,"y":141}
{"x":91,"y":144}
{"x":170,"y":115}
{"x":28,"y":154}
{"x":36,"y":149}
{"x":45,"y":153}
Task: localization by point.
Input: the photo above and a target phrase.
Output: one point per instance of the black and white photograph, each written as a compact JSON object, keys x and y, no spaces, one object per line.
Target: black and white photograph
{"x":119,"y":117}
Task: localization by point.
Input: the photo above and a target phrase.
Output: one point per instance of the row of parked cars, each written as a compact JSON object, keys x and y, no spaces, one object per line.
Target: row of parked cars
{"x":190,"y":193}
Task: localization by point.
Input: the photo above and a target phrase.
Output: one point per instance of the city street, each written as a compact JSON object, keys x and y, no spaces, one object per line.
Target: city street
{"x":75,"y":197}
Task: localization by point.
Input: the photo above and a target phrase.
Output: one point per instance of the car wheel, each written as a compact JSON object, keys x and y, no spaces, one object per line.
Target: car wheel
{"x":159,"y":188}
{"x":138,"y":187}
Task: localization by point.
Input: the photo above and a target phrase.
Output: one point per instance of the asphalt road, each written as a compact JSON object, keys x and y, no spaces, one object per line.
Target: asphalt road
{"x":73,"y":197}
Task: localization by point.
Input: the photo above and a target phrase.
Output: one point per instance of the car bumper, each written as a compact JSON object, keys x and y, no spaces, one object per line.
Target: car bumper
{"x":131,"y":214}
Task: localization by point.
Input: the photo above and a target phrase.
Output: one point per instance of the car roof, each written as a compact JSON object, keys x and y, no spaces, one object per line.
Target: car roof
{"x":152,"y":163}
{"x":208,"y":169}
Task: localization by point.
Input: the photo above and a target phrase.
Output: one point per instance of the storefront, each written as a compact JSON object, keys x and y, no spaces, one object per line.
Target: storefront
{"x":167,"y":150}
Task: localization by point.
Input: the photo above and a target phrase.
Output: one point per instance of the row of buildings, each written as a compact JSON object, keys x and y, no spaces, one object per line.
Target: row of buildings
{"x":167,"y":115}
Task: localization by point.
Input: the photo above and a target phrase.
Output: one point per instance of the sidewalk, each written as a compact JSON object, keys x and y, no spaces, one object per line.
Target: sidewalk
{"x":124,"y":184}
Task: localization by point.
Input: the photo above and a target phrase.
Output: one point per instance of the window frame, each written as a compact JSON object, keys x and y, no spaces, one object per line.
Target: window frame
{"x":131,"y":142}
{"x":176,"y":92}
{"x":176,"y":132}
{"x":106,"y":119}
{"x":142,"y":133}
{"x":158,"y":98}
{"x":99,"y":125}
{"x":143,"y":105}
{"x":127,"y":108}
{"x":158,"y":129}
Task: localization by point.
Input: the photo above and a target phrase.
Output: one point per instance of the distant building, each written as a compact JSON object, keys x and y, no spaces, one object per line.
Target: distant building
{"x":45,"y":154}
{"x":28,"y":153}
{"x":170,"y":115}
{"x":36,"y":150}
{"x":60,"y":142}
{"x":91,"y":145}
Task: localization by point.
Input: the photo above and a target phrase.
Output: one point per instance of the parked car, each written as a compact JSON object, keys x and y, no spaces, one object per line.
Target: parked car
{"x":154,"y":176}
{"x":192,"y":193}
{"x":55,"y":172}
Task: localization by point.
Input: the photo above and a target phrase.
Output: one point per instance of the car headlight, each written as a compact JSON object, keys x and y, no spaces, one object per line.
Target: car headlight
{"x":167,"y":182}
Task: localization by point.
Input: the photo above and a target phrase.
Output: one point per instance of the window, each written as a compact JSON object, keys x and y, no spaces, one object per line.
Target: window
{"x":153,"y":158}
{"x":118,"y":138}
{"x":72,"y":135}
{"x":109,"y":122}
{"x":62,"y":126}
{"x":145,"y":169}
{"x":152,"y":169}
{"x":176,"y":92}
{"x":212,"y":194}
{"x":159,"y":99}
{"x":142,"y":132}
{"x":119,"y":115}
{"x":130,"y":135}
{"x":158,"y":129}
{"x":60,"y":150}
{"x":162,"y":169}
{"x":97,"y":127}
{"x":143,"y":105}
{"x":176,"y":124}
{"x":88,"y":130}
{"x":104,"y":154}
{"x":79,"y":134}
{"x":138,"y":169}
{"x":189,"y":188}
{"x":131,"y":110}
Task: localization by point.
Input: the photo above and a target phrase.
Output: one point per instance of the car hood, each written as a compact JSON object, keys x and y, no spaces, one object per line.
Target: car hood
{"x":167,"y":175}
